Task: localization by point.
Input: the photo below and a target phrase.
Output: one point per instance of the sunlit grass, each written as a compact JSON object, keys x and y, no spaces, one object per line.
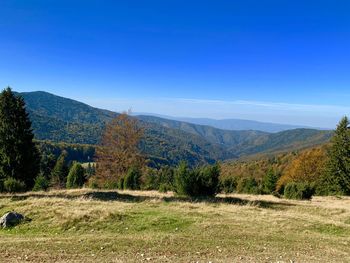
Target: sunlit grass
{"x":109,"y":226}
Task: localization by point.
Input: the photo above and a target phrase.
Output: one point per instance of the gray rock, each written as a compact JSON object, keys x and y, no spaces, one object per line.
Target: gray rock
{"x":10,"y":219}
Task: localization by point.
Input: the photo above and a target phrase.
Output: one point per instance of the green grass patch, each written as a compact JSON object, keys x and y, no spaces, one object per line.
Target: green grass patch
{"x":331,"y":229}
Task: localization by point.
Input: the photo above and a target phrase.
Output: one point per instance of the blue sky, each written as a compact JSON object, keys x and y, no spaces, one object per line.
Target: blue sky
{"x":278,"y":61}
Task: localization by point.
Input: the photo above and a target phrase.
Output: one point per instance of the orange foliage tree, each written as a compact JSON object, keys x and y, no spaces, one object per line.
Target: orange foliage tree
{"x":119,"y":151}
{"x":308,"y":167}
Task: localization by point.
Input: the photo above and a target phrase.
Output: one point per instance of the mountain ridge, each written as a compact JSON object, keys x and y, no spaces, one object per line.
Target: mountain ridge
{"x":234,"y":124}
{"x":61,"y":119}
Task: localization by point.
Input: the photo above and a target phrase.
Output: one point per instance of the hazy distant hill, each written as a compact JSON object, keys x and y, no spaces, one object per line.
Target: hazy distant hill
{"x":233,"y":124}
{"x":60,"y":119}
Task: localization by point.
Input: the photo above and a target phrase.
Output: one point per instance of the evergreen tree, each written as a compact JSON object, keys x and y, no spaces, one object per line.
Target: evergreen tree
{"x":47,"y":163}
{"x":198,"y":182}
{"x":60,"y":172}
{"x":19,"y":157}
{"x":338,"y":169}
{"x":75,"y":178}
{"x":269,"y":182}
{"x":132,"y":179}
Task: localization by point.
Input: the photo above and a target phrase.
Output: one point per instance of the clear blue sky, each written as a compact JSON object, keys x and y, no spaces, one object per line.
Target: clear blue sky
{"x":281,"y":61}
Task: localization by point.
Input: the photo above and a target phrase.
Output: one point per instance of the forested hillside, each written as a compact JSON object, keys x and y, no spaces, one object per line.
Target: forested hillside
{"x":60,"y":119}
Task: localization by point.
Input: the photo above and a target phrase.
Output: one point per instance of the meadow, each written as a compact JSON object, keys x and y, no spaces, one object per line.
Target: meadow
{"x":144,"y":226}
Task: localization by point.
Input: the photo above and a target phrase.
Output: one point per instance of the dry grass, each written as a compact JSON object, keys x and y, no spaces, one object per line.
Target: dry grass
{"x":106,"y":226}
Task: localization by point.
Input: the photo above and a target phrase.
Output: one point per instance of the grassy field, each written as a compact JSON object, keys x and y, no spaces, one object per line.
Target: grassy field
{"x":110,"y":226}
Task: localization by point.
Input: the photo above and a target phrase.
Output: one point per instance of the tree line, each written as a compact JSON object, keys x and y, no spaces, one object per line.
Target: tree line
{"x":323,"y":170}
{"x":29,"y":165}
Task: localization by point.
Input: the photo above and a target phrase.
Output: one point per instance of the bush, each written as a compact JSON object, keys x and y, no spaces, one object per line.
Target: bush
{"x":299,"y":191}
{"x":12,"y":185}
{"x":150,"y":180}
{"x":228,"y":185}
{"x":93,"y":183}
{"x":132,"y":179}
{"x":75,"y":178}
{"x":120,"y":184}
{"x":110,"y":185}
{"x":164,"y":188}
{"x":248,"y":186}
{"x":166,"y":179}
{"x":41,"y":183}
{"x":197,"y":182}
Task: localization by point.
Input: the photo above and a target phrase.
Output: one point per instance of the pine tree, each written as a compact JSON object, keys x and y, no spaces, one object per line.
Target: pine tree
{"x":269,"y":182}
{"x":59,"y":172}
{"x":19,"y":157}
{"x":75,"y":178}
{"x":338,"y":169}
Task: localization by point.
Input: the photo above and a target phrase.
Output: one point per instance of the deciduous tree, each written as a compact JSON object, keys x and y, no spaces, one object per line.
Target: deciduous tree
{"x":119,"y":151}
{"x":308,"y":167}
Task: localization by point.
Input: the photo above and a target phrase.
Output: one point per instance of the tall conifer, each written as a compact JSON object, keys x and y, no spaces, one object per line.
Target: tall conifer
{"x":338,"y":172}
{"x":19,"y":157}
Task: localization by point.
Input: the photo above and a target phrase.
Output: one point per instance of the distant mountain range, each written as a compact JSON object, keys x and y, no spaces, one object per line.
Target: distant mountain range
{"x":168,"y":141}
{"x":233,"y":124}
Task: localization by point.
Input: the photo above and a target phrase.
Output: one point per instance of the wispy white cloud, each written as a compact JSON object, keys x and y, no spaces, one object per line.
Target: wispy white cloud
{"x":302,"y":114}
{"x":264,"y":104}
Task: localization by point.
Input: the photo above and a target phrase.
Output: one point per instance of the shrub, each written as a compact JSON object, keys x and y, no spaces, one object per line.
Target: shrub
{"x":166,"y":179}
{"x":248,"y":186}
{"x":299,"y":191}
{"x":197,"y":182}
{"x":93,"y":183}
{"x":75,"y":178}
{"x":41,"y":183}
{"x":120,"y":184}
{"x":163,"y":188}
{"x":228,"y":185}
{"x":150,"y":180}
{"x":108,"y":184}
{"x":12,"y":185}
{"x":132,"y":179}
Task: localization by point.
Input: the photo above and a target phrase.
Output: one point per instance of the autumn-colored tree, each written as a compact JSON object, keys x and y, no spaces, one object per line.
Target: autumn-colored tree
{"x":308,"y":167}
{"x":119,"y":151}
